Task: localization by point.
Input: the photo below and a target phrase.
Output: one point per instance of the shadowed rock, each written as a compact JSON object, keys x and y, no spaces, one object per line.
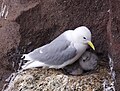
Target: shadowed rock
{"x":33,"y":23}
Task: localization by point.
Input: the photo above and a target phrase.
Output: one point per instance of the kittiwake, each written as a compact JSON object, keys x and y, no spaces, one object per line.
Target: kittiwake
{"x":88,"y":61}
{"x":62,"y":51}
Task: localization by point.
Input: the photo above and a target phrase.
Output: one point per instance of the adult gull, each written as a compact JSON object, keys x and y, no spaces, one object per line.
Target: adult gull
{"x":62,"y":51}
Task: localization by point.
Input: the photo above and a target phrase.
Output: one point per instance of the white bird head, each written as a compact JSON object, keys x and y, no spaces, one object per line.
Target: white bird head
{"x":84,"y":35}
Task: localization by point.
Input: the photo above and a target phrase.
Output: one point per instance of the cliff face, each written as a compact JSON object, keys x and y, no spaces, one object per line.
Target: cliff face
{"x":28,"y":24}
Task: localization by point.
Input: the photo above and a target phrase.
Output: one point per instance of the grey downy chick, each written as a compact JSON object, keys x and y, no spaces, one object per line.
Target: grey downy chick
{"x":88,"y":61}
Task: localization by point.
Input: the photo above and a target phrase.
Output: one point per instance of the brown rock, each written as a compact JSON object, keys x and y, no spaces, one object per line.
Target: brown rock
{"x":114,"y":38}
{"x":40,"y":21}
{"x":9,"y":39}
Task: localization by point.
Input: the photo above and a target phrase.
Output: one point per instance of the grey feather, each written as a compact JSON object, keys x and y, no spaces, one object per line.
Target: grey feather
{"x":73,"y":69}
{"x":55,"y":53}
{"x":88,"y":61}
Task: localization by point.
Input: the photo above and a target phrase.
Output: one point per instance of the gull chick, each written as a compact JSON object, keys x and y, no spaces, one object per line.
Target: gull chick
{"x":62,"y":51}
{"x":87,"y":62}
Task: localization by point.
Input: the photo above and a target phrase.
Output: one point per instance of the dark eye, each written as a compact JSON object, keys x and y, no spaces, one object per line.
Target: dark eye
{"x":84,"y":60}
{"x":84,"y":37}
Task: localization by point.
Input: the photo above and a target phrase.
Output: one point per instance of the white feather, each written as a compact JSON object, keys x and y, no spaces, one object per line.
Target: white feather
{"x":26,"y":57}
{"x":31,"y":64}
{"x":76,"y":39}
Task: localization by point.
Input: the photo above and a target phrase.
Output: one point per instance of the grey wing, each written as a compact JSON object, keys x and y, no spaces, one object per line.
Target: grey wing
{"x":55,"y":53}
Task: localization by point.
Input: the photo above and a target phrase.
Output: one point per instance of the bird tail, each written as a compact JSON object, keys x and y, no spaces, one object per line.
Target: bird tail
{"x":25,"y":57}
{"x":31,"y":63}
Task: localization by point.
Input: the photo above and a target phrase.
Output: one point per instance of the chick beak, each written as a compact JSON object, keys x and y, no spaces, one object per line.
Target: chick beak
{"x":91,"y":45}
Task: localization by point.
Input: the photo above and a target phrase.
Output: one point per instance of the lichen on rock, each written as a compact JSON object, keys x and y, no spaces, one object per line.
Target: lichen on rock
{"x":39,"y":79}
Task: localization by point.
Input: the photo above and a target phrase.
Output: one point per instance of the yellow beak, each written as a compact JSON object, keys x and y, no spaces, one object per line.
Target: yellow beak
{"x":91,"y":45}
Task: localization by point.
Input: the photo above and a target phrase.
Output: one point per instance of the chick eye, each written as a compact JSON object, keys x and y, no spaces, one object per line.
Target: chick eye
{"x":84,"y":38}
{"x":84,"y":60}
